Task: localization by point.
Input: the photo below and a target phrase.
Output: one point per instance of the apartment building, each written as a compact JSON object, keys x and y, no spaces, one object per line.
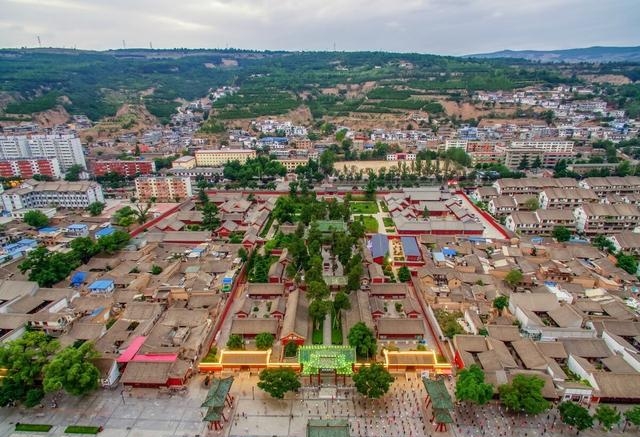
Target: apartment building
{"x":401,"y":157}
{"x":292,"y":164}
{"x":184,"y":162}
{"x":540,"y":222}
{"x":124,"y":168}
{"x":485,"y":152}
{"x":27,"y":168}
{"x":34,"y":194}
{"x":67,"y":149}
{"x":566,"y":198}
{"x":548,"y":151}
{"x":163,"y":189}
{"x":216,"y":158}
{"x":612,"y":185}
{"x":532,"y":185}
{"x":598,"y":218}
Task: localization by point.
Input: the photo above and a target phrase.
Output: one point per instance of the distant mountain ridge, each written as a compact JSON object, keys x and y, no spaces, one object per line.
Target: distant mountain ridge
{"x":587,"y":54}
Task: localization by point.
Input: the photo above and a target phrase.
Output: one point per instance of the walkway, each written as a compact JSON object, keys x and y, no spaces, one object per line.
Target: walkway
{"x":326,"y":330}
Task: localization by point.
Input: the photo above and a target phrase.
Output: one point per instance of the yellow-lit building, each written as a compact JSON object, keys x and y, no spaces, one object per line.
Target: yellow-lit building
{"x":163,"y":189}
{"x":184,"y":162}
{"x":292,"y":164}
{"x":216,"y":158}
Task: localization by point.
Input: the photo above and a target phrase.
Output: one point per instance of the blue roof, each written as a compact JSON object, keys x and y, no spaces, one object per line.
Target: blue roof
{"x":101,"y":284}
{"x":449,"y":252}
{"x":410,"y":246}
{"x":227,"y":280}
{"x":104,"y":232}
{"x":438,"y":257}
{"x":48,"y":229}
{"x":274,"y":139}
{"x":77,"y":226}
{"x":78,"y":278}
{"x":379,"y":245}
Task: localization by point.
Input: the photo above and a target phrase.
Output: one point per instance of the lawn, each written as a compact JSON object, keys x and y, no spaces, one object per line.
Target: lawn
{"x":383,"y":206}
{"x":265,"y":231}
{"x":363,"y":207}
{"x":336,"y":331}
{"x":77,"y":429}
{"x":370,"y":223}
{"x":388,"y":222}
{"x":33,"y":427}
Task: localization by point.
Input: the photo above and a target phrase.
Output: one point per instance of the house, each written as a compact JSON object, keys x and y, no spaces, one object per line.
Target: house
{"x":102,"y":286}
{"x":397,"y":328}
{"x":295,"y":325}
{"x":109,"y":371}
{"x":628,"y":242}
{"x":596,"y":218}
{"x":375,"y":274}
{"x":250,"y":328}
{"x":77,"y":230}
{"x":410,"y":248}
{"x":379,"y":246}
{"x":264,"y":291}
{"x":227,"y":228}
{"x":389,"y":291}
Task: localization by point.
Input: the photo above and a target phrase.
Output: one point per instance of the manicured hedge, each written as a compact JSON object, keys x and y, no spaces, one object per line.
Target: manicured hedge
{"x":33,"y":427}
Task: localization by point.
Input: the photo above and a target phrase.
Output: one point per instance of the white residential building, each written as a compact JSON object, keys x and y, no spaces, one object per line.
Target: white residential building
{"x":46,"y":194}
{"x":66,"y":148}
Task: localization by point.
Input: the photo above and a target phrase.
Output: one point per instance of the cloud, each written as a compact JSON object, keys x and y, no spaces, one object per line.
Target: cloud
{"x":432,"y":26}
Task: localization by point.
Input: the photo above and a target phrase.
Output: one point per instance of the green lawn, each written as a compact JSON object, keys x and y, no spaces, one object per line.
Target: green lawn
{"x":388,"y":222}
{"x":77,"y":429}
{"x":33,"y":427}
{"x":370,"y":223}
{"x":363,"y":207}
{"x":383,"y":206}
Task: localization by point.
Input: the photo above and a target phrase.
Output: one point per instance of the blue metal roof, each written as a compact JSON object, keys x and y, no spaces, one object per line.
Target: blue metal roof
{"x":77,"y":226}
{"x":438,"y":257}
{"x":449,"y":252}
{"x":78,"y":278}
{"x":410,"y":246}
{"x":101,"y":284}
{"x":48,"y":229}
{"x":104,"y":232}
{"x":379,"y":245}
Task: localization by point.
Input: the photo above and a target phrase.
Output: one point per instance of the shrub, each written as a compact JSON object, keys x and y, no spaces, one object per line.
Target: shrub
{"x":78,"y":429}
{"x":33,"y":427}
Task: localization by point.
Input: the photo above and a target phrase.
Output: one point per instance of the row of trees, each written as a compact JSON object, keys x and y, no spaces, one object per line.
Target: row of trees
{"x":36,"y":364}
{"x":48,"y":268}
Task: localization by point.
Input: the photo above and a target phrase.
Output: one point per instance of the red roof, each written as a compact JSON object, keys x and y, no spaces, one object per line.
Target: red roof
{"x":155,"y":358}
{"x":131,"y":351}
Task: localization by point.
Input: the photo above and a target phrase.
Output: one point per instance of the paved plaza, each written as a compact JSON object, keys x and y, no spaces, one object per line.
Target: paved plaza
{"x":150,"y":412}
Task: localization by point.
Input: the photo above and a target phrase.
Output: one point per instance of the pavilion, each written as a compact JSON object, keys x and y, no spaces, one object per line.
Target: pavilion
{"x":440,"y":400}
{"x":217,"y":397}
{"x":318,"y":359}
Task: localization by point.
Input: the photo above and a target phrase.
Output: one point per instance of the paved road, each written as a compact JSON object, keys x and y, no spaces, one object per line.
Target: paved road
{"x":326,"y":330}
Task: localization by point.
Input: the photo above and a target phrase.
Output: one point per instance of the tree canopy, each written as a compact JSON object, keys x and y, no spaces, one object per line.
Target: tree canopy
{"x":36,"y":219}
{"x":633,"y":415}
{"x":373,"y":381}
{"x":470,"y":386}
{"x":235,"y":342}
{"x":607,"y":416}
{"x":524,"y":394}
{"x":561,"y":233}
{"x":501,"y":302}
{"x":628,"y":263}
{"x":264,"y":341}
{"x":404,"y":275}
{"x":575,"y":415}
{"x":277,"y":382}
{"x":72,"y":371}
{"x":513,"y":278}
{"x":96,"y":208}
{"x":363,"y":339}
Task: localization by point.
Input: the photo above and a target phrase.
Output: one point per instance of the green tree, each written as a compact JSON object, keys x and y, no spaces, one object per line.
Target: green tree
{"x":277,"y":382}
{"x":341,"y":302}
{"x":72,"y":371}
{"x":48,"y":268}
{"x":113,"y":242}
{"x":628,"y":263}
{"x":524,"y":394}
{"x":235,"y":342}
{"x":532,"y":204}
{"x":425,"y":213}
{"x":603,"y":243}
{"x":524,"y":163}
{"x":404,"y":275}
{"x":36,"y":219}
{"x":84,"y":247}
{"x":203,"y":197}
{"x":607,"y":416}
{"x":24,"y":359}
{"x":370,"y":188}
{"x":363,"y":339}
{"x":470,"y":386}
{"x":96,"y":208}
{"x":537,"y":163}
{"x":513,"y":278}
{"x":264,"y":341}
{"x":243,"y":254}
{"x":501,"y":302}
{"x":291,"y":349}
{"x":633,"y":415}
{"x":575,"y":415}
{"x":156,"y":269}
{"x":373,"y":381}
{"x":73,"y":173}
{"x":210,"y":220}
{"x":317,"y":290}
{"x":318,"y":309}
{"x":560,"y":233}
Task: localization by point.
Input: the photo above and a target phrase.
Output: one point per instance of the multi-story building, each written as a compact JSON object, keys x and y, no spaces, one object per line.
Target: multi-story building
{"x":67,"y":149}
{"x":485,"y":152}
{"x":184,"y":162}
{"x":612,"y":185}
{"x":548,"y":151}
{"x":597,"y":218}
{"x":532,"y":185}
{"x":27,"y":168}
{"x":124,"y":168}
{"x":565,"y":198}
{"x":163,"y":189}
{"x":47,"y":194}
{"x":292,"y":164}
{"x":540,"y":222}
{"x":216,"y":158}
{"x":401,"y":157}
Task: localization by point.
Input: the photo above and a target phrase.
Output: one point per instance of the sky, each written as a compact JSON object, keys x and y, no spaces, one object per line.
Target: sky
{"x":448,"y":27}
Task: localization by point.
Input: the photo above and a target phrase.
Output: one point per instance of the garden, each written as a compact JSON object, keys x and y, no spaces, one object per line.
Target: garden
{"x":363,"y":207}
{"x":370,"y":223}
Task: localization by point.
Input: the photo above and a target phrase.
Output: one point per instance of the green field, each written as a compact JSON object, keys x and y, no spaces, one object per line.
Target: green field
{"x":388,"y":222}
{"x":370,"y":223}
{"x":363,"y":207}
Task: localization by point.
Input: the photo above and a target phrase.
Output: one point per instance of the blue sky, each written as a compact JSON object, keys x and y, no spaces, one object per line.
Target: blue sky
{"x":428,"y":26}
